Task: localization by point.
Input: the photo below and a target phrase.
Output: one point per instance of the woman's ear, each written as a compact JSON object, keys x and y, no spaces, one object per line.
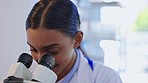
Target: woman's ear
{"x":78,"y":39}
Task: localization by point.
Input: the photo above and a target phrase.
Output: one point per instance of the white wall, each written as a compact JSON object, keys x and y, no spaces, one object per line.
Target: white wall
{"x":12,"y":31}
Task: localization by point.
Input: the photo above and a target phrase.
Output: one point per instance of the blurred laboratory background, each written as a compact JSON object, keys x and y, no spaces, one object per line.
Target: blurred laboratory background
{"x":115,"y":34}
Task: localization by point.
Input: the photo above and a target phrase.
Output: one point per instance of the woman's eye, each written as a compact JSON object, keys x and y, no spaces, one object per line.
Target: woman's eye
{"x":53,"y":52}
{"x":33,"y":50}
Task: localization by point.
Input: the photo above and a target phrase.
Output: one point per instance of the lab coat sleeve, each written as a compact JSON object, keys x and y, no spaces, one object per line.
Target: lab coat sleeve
{"x":104,"y":74}
{"x":115,"y":79}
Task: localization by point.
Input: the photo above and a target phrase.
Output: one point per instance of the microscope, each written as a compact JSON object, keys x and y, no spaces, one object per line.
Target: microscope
{"x":20,"y":73}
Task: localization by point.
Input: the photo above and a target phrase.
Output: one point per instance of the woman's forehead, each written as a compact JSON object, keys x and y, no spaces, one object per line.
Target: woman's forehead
{"x":43,"y":32}
{"x":45,"y":37}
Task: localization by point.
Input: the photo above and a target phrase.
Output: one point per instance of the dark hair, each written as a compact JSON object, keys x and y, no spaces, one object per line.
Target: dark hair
{"x":59,"y":15}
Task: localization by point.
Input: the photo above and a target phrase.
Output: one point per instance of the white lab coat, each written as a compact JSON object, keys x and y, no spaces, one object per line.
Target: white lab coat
{"x":86,"y":74}
{"x":99,"y":73}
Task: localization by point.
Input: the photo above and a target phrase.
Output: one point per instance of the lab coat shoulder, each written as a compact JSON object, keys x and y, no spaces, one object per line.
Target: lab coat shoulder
{"x":104,"y":74}
{"x":98,"y":74}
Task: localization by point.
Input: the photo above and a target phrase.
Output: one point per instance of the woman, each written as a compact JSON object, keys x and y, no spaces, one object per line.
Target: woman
{"x":53,"y":27}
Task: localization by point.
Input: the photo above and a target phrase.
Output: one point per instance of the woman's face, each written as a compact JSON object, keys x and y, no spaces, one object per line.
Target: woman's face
{"x":60,"y":46}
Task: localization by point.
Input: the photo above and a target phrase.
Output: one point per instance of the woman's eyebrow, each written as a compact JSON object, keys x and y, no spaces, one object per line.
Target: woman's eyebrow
{"x":29,"y":44}
{"x":49,"y":46}
{"x":45,"y":47}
